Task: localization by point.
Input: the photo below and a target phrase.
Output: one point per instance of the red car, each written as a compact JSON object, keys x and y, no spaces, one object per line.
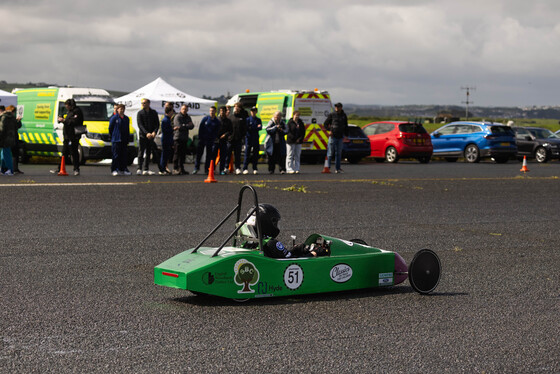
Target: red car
{"x":392,"y":140}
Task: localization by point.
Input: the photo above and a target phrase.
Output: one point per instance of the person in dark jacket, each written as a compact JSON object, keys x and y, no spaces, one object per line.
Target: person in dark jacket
{"x":337,"y":124}
{"x":182,"y":123}
{"x":221,"y":141}
{"x":294,"y":140}
{"x":74,"y":119}
{"x":15,"y":147}
{"x":119,"y":130}
{"x":239,"y":130}
{"x":148,"y":126}
{"x":166,"y":139}
{"x":8,"y":131}
{"x":207,"y":134}
{"x":276,"y":143}
{"x":252,"y":146}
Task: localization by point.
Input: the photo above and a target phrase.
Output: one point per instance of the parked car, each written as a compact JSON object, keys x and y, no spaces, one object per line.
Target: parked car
{"x":356,"y":145}
{"x":392,"y":140}
{"x":474,"y":141}
{"x":538,"y":143}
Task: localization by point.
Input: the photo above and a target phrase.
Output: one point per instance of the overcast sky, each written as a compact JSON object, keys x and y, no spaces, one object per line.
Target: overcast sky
{"x":364,"y":52}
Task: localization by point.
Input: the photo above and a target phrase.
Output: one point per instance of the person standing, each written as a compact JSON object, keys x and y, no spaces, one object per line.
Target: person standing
{"x":74,"y":118}
{"x":119,"y":130}
{"x":276,"y":143}
{"x":337,"y":124}
{"x":207,"y":134}
{"x":221,"y":141}
{"x":294,"y":140}
{"x":15,"y":148}
{"x":252,"y":147}
{"x":182,"y":123}
{"x":148,"y":126}
{"x":166,"y":139}
{"x":8,"y":131}
{"x":239,"y":130}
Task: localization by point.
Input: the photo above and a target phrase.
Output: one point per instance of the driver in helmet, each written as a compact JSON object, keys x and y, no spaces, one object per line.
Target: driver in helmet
{"x":269,"y":218}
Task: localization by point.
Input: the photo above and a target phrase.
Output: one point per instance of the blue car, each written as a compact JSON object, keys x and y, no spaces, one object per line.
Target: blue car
{"x":356,"y":145}
{"x":474,"y":141}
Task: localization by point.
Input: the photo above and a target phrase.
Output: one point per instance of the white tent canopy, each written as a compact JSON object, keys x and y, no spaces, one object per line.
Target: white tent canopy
{"x":7,"y":98}
{"x":159,"y":92}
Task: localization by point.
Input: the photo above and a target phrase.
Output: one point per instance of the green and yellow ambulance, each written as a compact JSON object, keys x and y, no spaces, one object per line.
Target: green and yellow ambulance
{"x":314,"y":107}
{"x":41,"y":134}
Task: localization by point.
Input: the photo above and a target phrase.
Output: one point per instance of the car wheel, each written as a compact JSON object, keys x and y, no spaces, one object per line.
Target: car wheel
{"x":541,"y":155}
{"x":391,"y":155}
{"x":130,"y":159}
{"x":354,"y":160}
{"x":424,"y":160}
{"x":471,"y":153}
{"x":424,"y":271}
{"x":501,"y":160}
{"x":451,"y":159}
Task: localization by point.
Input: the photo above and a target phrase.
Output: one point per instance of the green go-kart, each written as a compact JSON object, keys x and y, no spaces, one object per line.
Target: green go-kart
{"x":242,"y":271}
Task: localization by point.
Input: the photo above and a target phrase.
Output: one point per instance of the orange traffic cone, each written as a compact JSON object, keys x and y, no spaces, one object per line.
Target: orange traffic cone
{"x":524,"y":168}
{"x":211,"y":178}
{"x":62,"y":171}
{"x":231,"y":164}
{"x":326,"y":169}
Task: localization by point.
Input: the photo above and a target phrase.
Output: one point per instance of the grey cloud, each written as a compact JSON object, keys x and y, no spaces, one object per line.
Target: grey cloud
{"x":385,"y":52}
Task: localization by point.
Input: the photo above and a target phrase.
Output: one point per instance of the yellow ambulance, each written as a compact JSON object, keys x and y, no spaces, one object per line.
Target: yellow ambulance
{"x":41,"y":134}
{"x":313,"y":105}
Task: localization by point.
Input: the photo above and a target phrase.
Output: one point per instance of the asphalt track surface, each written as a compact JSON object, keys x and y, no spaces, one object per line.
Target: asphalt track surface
{"x":77,"y":257}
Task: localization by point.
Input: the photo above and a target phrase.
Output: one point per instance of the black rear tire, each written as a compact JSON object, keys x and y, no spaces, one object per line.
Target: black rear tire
{"x":424,"y":271}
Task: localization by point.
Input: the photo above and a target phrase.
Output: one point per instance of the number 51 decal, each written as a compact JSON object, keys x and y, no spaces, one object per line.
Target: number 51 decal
{"x":293,"y":276}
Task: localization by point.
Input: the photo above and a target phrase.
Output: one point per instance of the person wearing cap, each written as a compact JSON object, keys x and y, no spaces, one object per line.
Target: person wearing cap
{"x":74,"y":119}
{"x":337,"y":124}
{"x":252,"y":147}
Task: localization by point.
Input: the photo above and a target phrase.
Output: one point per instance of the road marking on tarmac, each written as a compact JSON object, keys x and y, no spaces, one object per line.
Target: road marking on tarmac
{"x":27,"y":184}
{"x":30,"y":183}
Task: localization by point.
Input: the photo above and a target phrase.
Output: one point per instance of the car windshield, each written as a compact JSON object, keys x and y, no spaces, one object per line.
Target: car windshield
{"x":355,"y":132}
{"x":543,"y":133}
{"x":92,"y":110}
{"x":412,"y":127}
{"x":502,"y":130}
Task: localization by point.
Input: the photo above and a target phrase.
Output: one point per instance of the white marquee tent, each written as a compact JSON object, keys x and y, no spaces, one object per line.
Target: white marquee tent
{"x":7,"y":98}
{"x":159,"y":92}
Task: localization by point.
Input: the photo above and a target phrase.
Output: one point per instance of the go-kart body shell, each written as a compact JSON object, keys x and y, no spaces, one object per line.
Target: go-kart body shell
{"x":239,"y":273}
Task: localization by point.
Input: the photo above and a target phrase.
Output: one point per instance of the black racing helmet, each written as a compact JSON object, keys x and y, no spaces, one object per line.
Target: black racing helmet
{"x":269,"y":217}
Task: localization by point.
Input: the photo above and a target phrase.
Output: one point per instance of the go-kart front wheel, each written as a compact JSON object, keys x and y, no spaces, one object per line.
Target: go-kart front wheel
{"x":424,"y":271}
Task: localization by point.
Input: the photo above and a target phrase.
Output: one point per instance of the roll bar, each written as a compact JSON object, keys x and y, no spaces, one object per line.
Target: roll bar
{"x":239,"y":223}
